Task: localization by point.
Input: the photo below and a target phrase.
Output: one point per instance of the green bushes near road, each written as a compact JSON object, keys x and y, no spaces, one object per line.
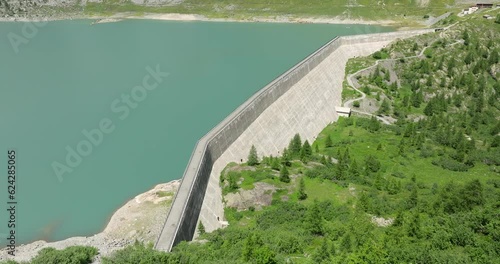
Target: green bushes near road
{"x":69,"y":255}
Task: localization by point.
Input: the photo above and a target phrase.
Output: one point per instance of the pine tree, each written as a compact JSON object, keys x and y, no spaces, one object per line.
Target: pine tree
{"x":295,"y":146}
{"x":402,"y":148}
{"x":233,"y":181}
{"x":413,"y":199}
{"x":316,"y":148}
{"x":321,"y":254}
{"x":328,"y":142}
{"x":314,"y":221}
{"x":415,"y":46}
{"x":428,"y":82}
{"x":440,"y":64}
{"x":284,"y":175}
{"x":374,"y":124}
{"x":414,"y":226}
{"x":305,"y":152}
{"x":275,"y":165}
{"x":302,"y":189}
{"x":346,"y":158}
{"x":363,"y":202}
{"x":399,"y":220}
{"x":353,"y":169}
{"x":253,"y":159}
{"x":372,"y":164}
{"x":346,"y":243}
{"x":323,"y":160}
{"x":443,"y":82}
{"x":466,"y":37}
{"x":285,"y":159}
{"x":387,"y":76}
{"x":429,"y":109}
{"x":201,"y":228}
{"x":493,"y":58}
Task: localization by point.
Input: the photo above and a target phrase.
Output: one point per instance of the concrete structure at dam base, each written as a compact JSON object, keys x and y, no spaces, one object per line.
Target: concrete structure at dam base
{"x":303,"y":100}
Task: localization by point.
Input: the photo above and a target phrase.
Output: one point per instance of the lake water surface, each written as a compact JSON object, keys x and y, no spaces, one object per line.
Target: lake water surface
{"x":61,"y":83}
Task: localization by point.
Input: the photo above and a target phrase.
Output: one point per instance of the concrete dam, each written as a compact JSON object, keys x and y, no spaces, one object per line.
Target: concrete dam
{"x":301,"y":100}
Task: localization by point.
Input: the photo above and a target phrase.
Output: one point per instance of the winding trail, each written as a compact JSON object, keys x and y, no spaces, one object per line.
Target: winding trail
{"x":353,"y":83}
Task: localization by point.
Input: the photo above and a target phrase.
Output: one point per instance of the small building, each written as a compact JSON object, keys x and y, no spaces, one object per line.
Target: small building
{"x":343,"y":111}
{"x":469,"y":10}
{"x":484,"y":5}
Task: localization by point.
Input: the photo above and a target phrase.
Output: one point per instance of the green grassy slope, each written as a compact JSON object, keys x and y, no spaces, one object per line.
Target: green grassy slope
{"x":401,"y":11}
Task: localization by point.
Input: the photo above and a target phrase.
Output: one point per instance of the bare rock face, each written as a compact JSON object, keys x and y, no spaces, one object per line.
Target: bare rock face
{"x":40,"y":9}
{"x":258,"y":197}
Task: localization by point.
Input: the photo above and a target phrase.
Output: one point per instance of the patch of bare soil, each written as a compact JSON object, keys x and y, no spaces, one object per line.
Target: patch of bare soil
{"x":382,"y":222}
{"x":258,"y":197}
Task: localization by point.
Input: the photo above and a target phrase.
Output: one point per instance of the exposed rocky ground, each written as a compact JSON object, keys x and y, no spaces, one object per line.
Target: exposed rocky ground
{"x":34,"y":9}
{"x":43,"y":9}
{"x":258,"y":197}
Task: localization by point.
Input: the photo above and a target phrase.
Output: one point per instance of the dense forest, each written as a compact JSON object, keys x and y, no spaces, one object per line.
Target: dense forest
{"x":425,"y":189}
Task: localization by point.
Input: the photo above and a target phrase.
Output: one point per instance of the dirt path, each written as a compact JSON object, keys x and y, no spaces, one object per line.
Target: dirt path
{"x":353,"y":82}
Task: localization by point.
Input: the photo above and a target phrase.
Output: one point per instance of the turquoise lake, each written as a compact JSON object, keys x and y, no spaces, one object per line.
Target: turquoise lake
{"x":68,"y":76}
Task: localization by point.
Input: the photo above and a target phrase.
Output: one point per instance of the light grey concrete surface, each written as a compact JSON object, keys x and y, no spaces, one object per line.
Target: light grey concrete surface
{"x":302,"y":100}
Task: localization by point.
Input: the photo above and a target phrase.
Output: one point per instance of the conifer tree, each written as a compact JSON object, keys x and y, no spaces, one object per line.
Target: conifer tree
{"x":384,"y":107}
{"x":253,"y":159}
{"x":285,"y":159}
{"x":201,"y":228}
{"x":295,"y":146}
{"x":321,"y":254}
{"x":346,"y":243}
{"x":374,"y":124}
{"x":413,"y":199}
{"x":305,"y":152}
{"x":275,"y":165}
{"x":328,"y":142}
{"x":314,"y":221}
{"x":353,"y":169}
{"x":346,"y":158}
{"x":302,"y":189}
{"x":284,"y":175}
{"x":414,"y":226}
{"x":323,"y":160}
{"x":402,"y":148}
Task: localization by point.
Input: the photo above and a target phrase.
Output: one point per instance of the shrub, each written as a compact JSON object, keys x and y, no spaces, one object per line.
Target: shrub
{"x":450,"y":164}
{"x":69,"y":255}
{"x":137,"y":253}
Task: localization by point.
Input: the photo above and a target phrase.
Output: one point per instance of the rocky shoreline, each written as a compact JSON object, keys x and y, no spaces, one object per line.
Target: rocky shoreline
{"x":140,"y":219}
{"x":54,"y":15}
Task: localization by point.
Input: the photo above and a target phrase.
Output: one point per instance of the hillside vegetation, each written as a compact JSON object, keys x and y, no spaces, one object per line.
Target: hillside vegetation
{"x":358,"y":9}
{"x":425,"y":189}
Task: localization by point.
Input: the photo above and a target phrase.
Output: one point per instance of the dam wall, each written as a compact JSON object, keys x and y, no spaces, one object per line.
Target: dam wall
{"x":301,"y":100}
